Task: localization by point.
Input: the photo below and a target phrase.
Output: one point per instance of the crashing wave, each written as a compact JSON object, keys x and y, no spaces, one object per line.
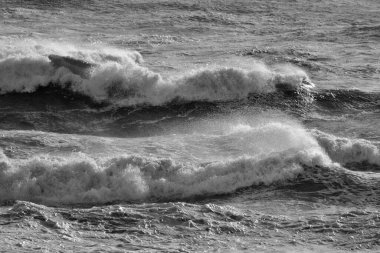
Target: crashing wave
{"x":271,"y":153}
{"x":117,"y":75}
{"x":133,"y":178}
{"x":264,"y":154}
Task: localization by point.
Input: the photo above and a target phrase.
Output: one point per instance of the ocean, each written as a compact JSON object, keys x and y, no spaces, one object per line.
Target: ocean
{"x":189,"y":126}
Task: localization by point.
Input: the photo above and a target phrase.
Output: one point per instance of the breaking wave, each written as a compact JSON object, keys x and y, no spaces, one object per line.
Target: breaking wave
{"x":119,"y":76}
{"x":266,"y":154}
{"x":346,"y":150}
{"x":134,"y":178}
{"x":253,"y":155}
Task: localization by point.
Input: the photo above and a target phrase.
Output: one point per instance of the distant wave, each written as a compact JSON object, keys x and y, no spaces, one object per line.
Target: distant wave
{"x":119,"y":77}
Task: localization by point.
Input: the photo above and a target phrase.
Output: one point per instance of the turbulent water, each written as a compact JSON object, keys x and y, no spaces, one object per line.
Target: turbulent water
{"x":183,"y":126}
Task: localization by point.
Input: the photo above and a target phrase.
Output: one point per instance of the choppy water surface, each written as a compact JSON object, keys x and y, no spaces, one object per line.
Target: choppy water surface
{"x":184,"y":126}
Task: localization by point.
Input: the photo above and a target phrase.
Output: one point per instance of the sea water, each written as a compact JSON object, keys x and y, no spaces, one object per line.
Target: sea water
{"x":181,"y":126}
